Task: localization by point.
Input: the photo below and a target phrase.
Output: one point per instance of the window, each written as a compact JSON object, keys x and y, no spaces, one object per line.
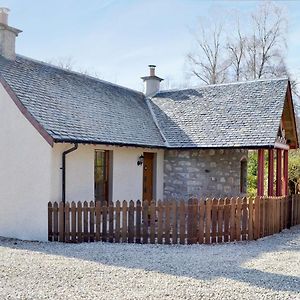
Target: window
{"x":243,"y":176}
{"x":102,"y":175}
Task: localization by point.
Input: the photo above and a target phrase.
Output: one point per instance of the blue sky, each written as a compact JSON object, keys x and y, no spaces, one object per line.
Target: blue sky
{"x":118,"y":39}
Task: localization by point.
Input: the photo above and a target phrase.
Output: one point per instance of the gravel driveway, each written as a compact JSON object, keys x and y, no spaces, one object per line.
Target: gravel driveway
{"x":264,"y":269}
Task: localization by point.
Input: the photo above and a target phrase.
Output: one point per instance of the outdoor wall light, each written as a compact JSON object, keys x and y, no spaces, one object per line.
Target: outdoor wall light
{"x":140,"y":160}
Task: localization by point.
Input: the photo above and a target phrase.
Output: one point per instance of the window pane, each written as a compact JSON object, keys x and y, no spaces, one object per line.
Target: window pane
{"x":101,"y":175}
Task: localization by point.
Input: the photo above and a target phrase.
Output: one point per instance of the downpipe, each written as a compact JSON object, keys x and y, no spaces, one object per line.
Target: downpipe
{"x":65,"y":153}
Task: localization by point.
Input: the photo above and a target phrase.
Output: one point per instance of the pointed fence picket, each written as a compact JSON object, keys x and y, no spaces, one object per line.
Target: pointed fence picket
{"x":172,"y":222}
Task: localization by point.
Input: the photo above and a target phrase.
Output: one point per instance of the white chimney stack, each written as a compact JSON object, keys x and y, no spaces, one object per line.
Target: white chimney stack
{"x":151,"y":82}
{"x":7,"y":36}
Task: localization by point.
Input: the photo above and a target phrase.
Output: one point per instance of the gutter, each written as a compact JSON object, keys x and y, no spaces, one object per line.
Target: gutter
{"x":65,"y":153}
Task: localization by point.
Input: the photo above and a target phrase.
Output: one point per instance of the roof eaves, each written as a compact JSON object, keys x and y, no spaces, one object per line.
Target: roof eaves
{"x":95,"y":142}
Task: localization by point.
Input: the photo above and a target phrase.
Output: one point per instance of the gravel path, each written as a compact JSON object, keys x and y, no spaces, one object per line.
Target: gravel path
{"x":264,"y":269}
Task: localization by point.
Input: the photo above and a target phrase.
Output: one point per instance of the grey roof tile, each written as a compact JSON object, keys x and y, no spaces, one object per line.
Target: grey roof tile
{"x":72,"y":106}
{"x":227,"y":115}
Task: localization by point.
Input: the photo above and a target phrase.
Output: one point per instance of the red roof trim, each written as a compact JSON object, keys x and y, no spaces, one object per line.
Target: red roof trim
{"x":290,"y":100}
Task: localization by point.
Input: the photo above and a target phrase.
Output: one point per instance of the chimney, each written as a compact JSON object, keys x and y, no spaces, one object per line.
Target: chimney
{"x":7,"y":36}
{"x":151,"y":82}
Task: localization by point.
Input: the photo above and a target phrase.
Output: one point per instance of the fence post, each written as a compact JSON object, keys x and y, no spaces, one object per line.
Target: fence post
{"x":118,"y":222}
{"x":190,"y":221}
{"x":152,"y":222}
{"x":174,"y":223}
{"x":214,"y":220}
{"x":250,"y":218}
{"x":138,"y":221}
{"x":124,"y":222}
{"x":67,"y":222}
{"x":256,"y":222}
{"x":50,"y":227}
{"x":73,"y":227}
{"x":61,"y":211}
{"x":55,"y":221}
{"x":220,"y":220}
{"x":79,"y":216}
{"x":244,"y":218}
{"x":201,"y":220}
{"x":182,"y":222}
{"x":131,"y":222}
{"x":167,"y":221}
{"x":92,"y":221}
{"x":85,"y":222}
{"x":98,"y":220}
{"x":160,"y":217}
{"x":145,"y":222}
{"x":208,"y":220}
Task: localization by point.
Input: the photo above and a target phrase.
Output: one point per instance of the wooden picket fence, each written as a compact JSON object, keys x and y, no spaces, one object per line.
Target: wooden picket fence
{"x":172,"y":222}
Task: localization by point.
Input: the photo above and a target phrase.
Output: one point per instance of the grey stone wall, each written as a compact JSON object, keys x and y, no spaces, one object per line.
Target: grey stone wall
{"x":202,"y":173}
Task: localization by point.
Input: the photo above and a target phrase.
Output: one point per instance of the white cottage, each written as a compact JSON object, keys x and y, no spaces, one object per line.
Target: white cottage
{"x":68,"y":136}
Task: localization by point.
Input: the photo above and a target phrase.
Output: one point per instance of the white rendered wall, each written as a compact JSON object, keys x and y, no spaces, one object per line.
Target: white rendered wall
{"x":25,"y":168}
{"x":127,"y":177}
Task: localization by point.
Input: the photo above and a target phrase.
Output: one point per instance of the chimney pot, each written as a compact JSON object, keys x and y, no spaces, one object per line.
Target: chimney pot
{"x":4,"y":15}
{"x":152,"y":70}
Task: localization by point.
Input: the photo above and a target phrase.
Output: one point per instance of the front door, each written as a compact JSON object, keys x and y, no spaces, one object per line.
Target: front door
{"x":148,"y":176}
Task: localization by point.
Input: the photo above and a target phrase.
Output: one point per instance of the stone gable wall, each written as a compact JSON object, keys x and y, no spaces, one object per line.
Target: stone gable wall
{"x":202,"y":173}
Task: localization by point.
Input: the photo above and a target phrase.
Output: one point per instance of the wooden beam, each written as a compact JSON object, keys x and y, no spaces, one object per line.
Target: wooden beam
{"x":279,"y":172}
{"x":292,"y":111}
{"x":281,"y":146}
{"x":285,"y":172}
{"x":271,"y":173}
{"x":260,"y":172}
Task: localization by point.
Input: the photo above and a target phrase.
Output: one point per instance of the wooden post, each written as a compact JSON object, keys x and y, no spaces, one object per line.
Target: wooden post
{"x":271,"y":173}
{"x":278,"y":172}
{"x":61,"y":212}
{"x":260,"y":173}
{"x":50,"y":227}
{"x":285,"y":172}
{"x":138,"y":221}
{"x":118,"y":222}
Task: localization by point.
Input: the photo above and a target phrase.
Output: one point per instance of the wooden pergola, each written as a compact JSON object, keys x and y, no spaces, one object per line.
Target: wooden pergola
{"x":278,"y":155}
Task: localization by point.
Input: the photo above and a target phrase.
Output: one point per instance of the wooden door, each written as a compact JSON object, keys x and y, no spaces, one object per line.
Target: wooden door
{"x":148,"y":176}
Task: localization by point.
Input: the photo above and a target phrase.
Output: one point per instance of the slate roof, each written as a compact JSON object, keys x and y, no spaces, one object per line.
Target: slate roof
{"x":75,"y":107}
{"x":228,"y":115}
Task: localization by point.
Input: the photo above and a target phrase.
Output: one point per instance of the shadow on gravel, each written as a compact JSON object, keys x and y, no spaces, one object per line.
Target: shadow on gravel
{"x":203,"y":262}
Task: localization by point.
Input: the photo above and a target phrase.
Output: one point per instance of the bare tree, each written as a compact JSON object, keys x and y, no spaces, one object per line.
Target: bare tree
{"x":237,"y":49}
{"x":68,"y":63}
{"x":264,"y":51}
{"x":207,"y":63}
{"x":247,"y":55}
